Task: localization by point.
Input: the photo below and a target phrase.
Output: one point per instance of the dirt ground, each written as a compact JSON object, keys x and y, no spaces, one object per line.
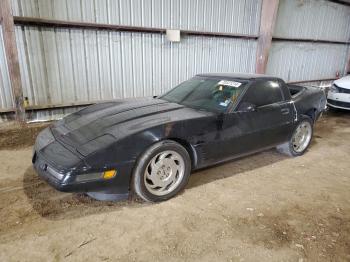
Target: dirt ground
{"x":265,"y":207}
{"x":13,"y":135}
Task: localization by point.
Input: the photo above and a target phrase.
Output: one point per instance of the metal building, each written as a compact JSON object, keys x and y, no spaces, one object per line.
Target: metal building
{"x":72,"y":53}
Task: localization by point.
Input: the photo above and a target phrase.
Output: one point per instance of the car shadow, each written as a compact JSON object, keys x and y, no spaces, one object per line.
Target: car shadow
{"x":323,"y":129}
{"x":338,"y":113}
{"x":329,"y":123}
{"x":55,"y":205}
{"x":235,"y":167}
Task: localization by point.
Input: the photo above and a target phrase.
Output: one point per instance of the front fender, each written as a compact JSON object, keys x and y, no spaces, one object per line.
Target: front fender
{"x":129,"y":148}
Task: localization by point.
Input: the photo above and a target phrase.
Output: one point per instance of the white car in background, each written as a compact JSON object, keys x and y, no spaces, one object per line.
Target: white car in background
{"x":339,"y":94}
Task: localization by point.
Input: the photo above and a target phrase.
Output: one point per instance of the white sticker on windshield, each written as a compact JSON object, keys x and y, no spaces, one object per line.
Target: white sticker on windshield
{"x":229,"y":83}
{"x":225,"y":104}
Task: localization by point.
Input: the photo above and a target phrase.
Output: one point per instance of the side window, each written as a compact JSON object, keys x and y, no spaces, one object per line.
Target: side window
{"x":263,"y":93}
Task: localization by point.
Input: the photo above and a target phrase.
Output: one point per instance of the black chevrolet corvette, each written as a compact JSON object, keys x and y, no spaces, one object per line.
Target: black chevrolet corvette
{"x":149,"y":146}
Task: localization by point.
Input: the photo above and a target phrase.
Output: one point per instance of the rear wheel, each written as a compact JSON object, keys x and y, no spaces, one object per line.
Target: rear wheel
{"x":300,"y":139}
{"x":161,"y":172}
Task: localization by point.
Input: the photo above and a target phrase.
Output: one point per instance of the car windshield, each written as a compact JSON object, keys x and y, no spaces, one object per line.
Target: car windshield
{"x":209,"y":94}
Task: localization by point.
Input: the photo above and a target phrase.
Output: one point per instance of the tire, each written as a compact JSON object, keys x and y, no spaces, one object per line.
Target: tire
{"x":161,"y":172}
{"x":291,"y":148}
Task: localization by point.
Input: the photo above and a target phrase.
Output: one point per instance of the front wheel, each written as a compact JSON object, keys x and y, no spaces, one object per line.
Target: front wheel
{"x":300,"y":139}
{"x":161,"y":172}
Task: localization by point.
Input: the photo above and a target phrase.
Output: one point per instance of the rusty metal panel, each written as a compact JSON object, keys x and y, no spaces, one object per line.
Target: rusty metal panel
{"x":231,"y":16}
{"x":313,"y":19}
{"x":305,"y":61}
{"x":6,"y":100}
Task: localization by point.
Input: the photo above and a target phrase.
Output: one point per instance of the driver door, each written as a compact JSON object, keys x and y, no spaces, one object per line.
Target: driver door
{"x":261,"y":120}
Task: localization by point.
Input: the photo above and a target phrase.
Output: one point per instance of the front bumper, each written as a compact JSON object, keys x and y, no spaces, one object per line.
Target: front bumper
{"x":338,"y":100}
{"x":47,"y":173}
{"x":338,"y":104}
{"x":59,"y":167}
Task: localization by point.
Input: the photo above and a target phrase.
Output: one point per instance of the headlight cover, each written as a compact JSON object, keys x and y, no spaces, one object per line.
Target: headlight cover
{"x":88,"y":177}
{"x":106,"y":175}
{"x":334,"y":88}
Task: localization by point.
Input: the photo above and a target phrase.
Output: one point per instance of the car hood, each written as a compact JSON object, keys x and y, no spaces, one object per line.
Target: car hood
{"x":103,"y":119}
{"x":343,"y":82}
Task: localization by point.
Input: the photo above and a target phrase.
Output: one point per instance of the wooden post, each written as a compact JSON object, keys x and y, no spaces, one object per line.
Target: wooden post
{"x":12,"y":58}
{"x":267,"y":24}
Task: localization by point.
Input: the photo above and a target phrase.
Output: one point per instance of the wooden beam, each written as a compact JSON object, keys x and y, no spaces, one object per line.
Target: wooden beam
{"x":307,"y":40}
{"x":40,"y":22}
{"x":267,"y":24}
{"x":12,"y":58}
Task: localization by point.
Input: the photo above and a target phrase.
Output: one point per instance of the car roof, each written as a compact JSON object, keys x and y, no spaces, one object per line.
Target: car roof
{"x":237,"y":76}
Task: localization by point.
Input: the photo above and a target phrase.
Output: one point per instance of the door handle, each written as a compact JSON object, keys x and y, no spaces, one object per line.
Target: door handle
{"x":285,"y":111}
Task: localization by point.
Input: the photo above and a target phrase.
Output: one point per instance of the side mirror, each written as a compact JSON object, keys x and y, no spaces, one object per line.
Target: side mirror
{"x":247,"y":107}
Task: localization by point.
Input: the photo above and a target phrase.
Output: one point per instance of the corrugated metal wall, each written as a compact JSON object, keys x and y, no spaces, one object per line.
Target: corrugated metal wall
{"x":235,"y":16}
{"x":306,"y":61}
{"x":61,"y":65}
{"x":5,"y":86}
{"x":66,"y":65}
{"x":48,"y":115}
{"x":321,"y":20}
